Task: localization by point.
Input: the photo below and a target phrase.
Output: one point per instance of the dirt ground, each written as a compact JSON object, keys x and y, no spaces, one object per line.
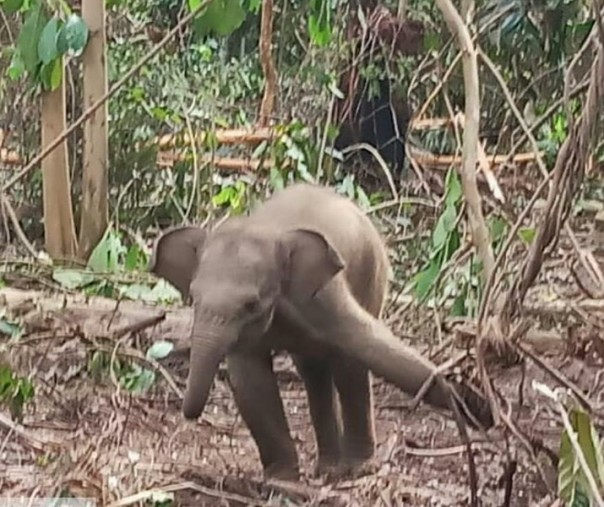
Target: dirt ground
{"x":90,"y":438}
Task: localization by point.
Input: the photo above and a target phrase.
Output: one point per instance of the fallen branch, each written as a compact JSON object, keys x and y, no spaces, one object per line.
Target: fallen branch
{"x":168,"y":159}
{"x":256,"y":136}
{"x":35,"y":443}
{"x":98,"y":316}
{"x":557,"y":376}
{"x":227,"y":136}
{"x":212,"y":493}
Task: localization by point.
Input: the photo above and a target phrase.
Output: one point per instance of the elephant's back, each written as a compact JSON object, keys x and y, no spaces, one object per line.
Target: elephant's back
{"x":347,"y":229}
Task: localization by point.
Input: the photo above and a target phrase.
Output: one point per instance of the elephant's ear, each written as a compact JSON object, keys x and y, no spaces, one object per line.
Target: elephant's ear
{"x":311,"y":261}
{"x":175,"y":255}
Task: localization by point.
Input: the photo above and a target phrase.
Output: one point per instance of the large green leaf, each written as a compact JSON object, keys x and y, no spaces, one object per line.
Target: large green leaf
{"x":453,"y":187}
{"x":30,"y":35}
{"x":573,"y":487}
{"x":319,"y":22}
{"x":47,"y":45}
{"x":11,"y":6}
{"x":425,"y":279}
{"x":221,"y":17}
{"x":159,"y":350}
{"x":73,"y":35}
{"x":444,"y":226}
{"x":51,"y":74}
{"x":105,"y":256}
{"x":71,"y":278}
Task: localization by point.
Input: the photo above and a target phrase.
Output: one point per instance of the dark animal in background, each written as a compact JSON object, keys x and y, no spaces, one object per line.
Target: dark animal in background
{"x":380,"y":120}
{"x":305,"y":272}
{"x":375,"y":112}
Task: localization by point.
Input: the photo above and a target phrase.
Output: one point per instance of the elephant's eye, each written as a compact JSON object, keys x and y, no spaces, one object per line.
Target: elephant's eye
{"x":252,"y":305}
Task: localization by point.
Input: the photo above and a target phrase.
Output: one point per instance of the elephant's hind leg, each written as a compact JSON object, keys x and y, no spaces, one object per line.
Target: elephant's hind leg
{"x":257,"y":396}
{"x":317,"y":375}
{"x":353,"y":382}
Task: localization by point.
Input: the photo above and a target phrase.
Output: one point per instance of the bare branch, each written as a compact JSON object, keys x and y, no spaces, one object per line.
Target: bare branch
{"x":478,"y":227}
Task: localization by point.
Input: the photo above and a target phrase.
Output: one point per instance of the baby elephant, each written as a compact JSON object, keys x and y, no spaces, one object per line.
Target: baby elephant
{"x":306,"y":272}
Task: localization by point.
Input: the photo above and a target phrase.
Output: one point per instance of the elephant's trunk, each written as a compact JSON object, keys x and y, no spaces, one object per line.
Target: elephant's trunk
{"x":389,"y":358}
{"x":369,"y":340}
{"x":209,"y":345}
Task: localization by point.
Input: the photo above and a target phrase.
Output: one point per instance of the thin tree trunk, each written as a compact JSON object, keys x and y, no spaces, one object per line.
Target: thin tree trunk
{"x":94,"y":212}
{"x":268,"y":66}
{"x":59,"y":226}
{"x":402,"y":10}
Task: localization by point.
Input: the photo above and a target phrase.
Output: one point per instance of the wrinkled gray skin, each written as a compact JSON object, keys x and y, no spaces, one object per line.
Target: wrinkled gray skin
{"x":306,"y":272}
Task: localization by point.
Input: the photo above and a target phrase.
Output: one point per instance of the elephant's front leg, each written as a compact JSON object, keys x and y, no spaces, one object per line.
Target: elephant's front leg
{"x":324,"y":410}
{"x":257,"y":396}
{"x":353,"y":382}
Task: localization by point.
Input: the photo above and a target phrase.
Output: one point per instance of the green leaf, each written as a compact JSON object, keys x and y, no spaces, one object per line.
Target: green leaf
{"x":51,"y":74}
{"x":105,"y":256}
{"x":72,"y":279}
{"x":30,"y":36}
{"x":332,"y":86}
{"x":194,"y":4}
{"x":319,"y":22}
{"x":589,"y":444}
{"x":444,"y":226}
{"x":221,"y":17}
{"x":139,"y":380}
{"x":253,"y":5}
{"x":11,"y":329}
{"x":276,"y":179}
{"x":163,"y":292}
{"x":497,"y":228}
{"x":511,"y":22}
{"x":572,"y":484}
{"x":425,"y":279}
{"x":135,"y":258}
{"x":11,"y":6}
{"x":453,"y":187}
{"x":6,"y":380}
{"x":17,"y":66}
{"x":225,"y":196}
{"x":363,"y":198}
{"x":72,"y":36}
{"x":527,"y":234}
{"x":159,"y":350}
{"x":47,"y":45}
{"x":136,"y":292}
{"x":458,"y":309}
{"x":431,"y":42}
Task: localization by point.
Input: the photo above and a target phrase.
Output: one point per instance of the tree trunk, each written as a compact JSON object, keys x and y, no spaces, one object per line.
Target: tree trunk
{"x":59,"y":226}
{"x":94,"y":212}
{"x":268,"y":66}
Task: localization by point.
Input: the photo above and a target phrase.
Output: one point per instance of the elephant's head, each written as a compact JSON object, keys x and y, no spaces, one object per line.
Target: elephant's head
{"x":234,"y":275}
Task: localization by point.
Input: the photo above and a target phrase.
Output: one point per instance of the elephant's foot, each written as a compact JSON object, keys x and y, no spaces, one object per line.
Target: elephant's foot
{"x":282,"y":472}
{"x":350,"y":469}
{"x":326,"y":466}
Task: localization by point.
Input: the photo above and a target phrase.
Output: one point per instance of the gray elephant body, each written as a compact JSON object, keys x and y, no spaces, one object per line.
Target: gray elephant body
{"x":306,"y":272}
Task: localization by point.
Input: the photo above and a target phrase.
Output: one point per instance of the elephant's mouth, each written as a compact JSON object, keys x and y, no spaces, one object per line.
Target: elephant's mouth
{"x":259,"y":323}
